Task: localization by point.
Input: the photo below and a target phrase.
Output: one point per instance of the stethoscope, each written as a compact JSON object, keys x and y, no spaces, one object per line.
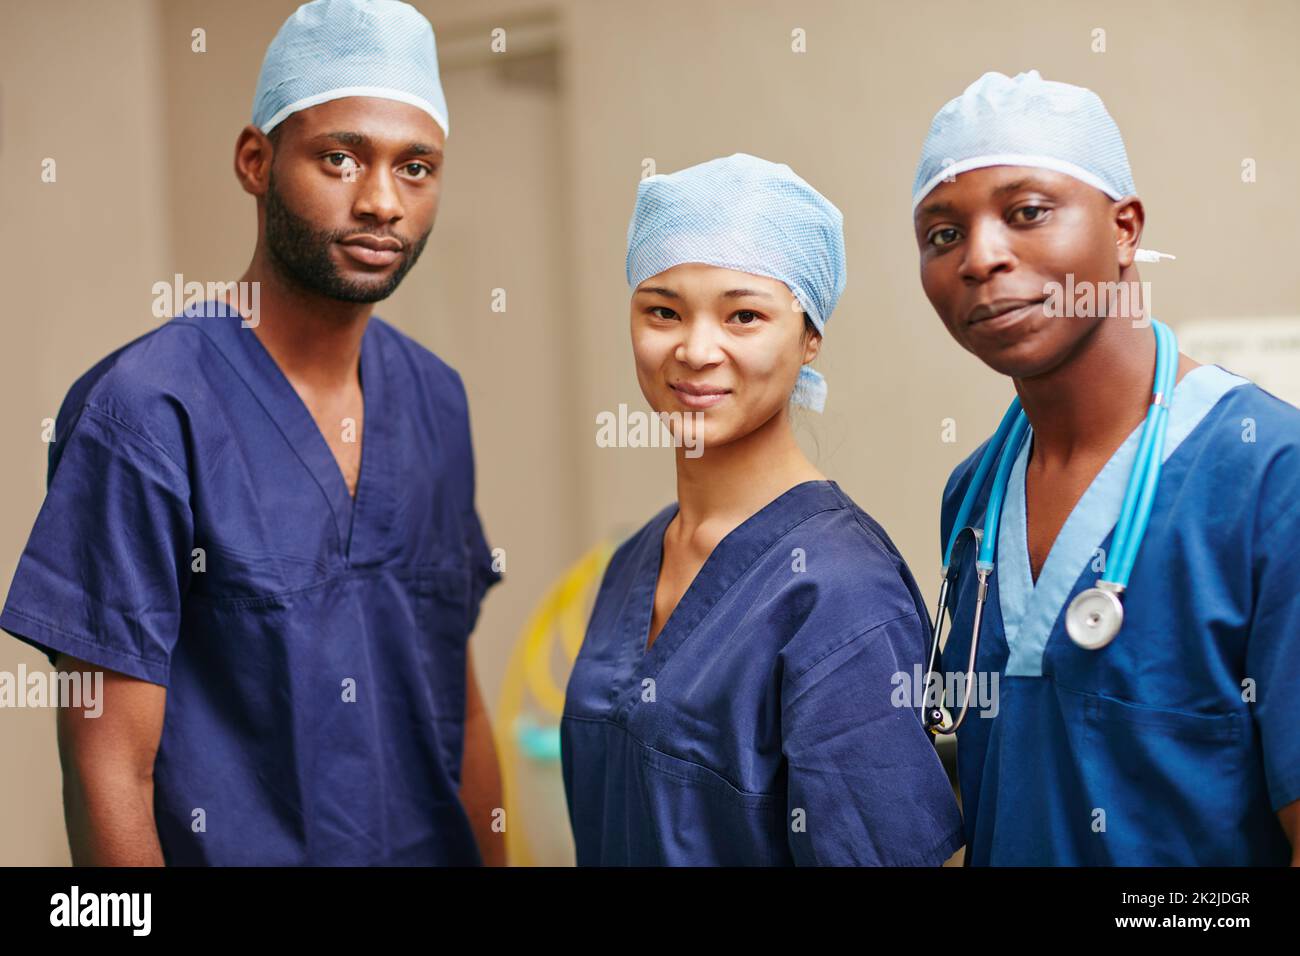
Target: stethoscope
{"x":1095,"y":616}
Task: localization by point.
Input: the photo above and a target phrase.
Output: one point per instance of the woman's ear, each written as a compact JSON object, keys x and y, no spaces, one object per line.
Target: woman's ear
{"x":812,"y":345}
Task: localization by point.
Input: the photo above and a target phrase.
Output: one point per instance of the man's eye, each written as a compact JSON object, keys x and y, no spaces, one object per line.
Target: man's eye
{"x":1037,"y":213}
{"x":330,"y":157}
{"x":943,"y":237}
{"x":418,"y":170}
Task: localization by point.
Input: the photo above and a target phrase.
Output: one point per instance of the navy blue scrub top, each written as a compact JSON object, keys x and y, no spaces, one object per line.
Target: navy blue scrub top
{"x":763,"y":726}
{"x":1176,"y":744}
{"x":315,"y":667}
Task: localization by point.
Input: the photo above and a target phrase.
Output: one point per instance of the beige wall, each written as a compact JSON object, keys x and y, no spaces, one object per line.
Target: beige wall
{"x":547,"y":146}
{"x":77,"y":257}
{"x":1194,"y":87}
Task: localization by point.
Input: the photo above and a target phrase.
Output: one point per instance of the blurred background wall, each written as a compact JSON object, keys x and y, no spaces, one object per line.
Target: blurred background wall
{"x":549,"y":140}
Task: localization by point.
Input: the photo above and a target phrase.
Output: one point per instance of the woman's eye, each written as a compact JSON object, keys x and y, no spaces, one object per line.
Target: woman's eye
{"x":943,"y":237}
{"x":745,"y":317}
{"x":662,"y":312}
{"x":1036,"y":211}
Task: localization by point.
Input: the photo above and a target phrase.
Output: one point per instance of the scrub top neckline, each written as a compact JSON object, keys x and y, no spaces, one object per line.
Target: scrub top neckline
{"x":346,"y":504}
{"x":1029,"y":609}
{"x":692,"y":593}
{"x":1021,"y":497}
{"x":285,"y":407}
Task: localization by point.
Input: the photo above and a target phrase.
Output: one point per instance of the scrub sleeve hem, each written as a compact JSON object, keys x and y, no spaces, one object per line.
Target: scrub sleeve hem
{"x":50,"y":640}
{"x":479,"y":591}
{"x":1285,"y":792}
{"x":942,"y":851}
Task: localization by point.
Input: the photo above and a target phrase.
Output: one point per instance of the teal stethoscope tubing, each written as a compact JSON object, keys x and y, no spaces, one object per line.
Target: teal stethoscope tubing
{"x":1134,"y":515}
{"x":1004,"y":447}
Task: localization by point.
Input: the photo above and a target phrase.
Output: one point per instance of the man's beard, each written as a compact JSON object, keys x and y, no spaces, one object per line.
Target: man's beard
{"x":303,"y":255}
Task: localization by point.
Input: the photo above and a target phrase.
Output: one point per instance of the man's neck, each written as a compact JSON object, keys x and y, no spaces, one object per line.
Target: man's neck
{"x":1090,"y":403}
{"x":314,"y":339}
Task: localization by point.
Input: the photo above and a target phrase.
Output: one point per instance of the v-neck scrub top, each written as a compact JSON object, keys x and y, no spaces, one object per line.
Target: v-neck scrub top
{"x":762,"y":726}
{"x":197,"y":533}
{"x":1176,"y":743}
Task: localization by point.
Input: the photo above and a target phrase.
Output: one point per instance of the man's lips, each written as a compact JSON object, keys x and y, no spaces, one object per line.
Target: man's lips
{"x":372,"y":250}
{"x":991,"y":310}
{"x":373,"y":242}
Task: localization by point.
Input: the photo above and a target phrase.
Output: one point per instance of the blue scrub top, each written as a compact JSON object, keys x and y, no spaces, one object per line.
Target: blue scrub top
{"x":763,"y":725}
{"x":1175,"y":744}
{"x":189,"y":438}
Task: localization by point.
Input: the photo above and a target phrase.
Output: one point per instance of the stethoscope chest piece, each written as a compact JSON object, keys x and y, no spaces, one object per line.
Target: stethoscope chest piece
{"x":1094,"y":617}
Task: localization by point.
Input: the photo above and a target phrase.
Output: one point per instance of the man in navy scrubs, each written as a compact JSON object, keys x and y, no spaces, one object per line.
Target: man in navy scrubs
{"x":261,"y":526}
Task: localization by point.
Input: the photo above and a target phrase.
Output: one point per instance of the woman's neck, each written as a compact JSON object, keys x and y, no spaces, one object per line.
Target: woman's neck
{"x":728,"y":484}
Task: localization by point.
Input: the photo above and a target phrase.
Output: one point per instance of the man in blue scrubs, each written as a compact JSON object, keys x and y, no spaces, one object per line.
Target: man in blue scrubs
{"x":1174,"y":744}
{"x":261,"y":526}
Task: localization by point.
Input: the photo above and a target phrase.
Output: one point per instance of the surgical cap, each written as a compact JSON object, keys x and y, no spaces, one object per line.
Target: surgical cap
{"x":1027,"y":121}
{"x":747,"y":214}
{"x":329,"y":49}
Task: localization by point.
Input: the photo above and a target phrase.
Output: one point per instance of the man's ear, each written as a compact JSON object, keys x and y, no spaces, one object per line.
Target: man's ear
{"x":254,"y":152}
{"x":1129,"y":217}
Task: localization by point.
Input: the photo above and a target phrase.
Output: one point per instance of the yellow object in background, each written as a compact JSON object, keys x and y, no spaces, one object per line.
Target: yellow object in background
{"x":532,"y":699}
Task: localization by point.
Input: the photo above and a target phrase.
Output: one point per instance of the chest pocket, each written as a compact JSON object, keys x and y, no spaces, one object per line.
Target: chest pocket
{"x":1160,"y":775}
{"x":699,"y":818}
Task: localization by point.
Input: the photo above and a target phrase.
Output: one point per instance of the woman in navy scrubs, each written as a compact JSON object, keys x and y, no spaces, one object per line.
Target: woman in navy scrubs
{"x":733,"y":701}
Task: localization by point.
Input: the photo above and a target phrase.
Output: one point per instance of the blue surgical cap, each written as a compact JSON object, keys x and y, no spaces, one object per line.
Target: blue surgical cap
{"x":1027,"y":121}
{"x":329,"y":49}
{"x":747,"y":214}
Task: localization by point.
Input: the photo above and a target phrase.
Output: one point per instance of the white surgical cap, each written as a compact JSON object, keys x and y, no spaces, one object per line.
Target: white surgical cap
{"x":1027,"y":121}
{"x":747,"y":214}
{"x":329,"y":49}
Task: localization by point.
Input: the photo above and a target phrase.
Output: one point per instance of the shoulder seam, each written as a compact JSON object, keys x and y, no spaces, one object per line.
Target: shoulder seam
{"x":88,"y":407}
{"x":847,"y":641}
